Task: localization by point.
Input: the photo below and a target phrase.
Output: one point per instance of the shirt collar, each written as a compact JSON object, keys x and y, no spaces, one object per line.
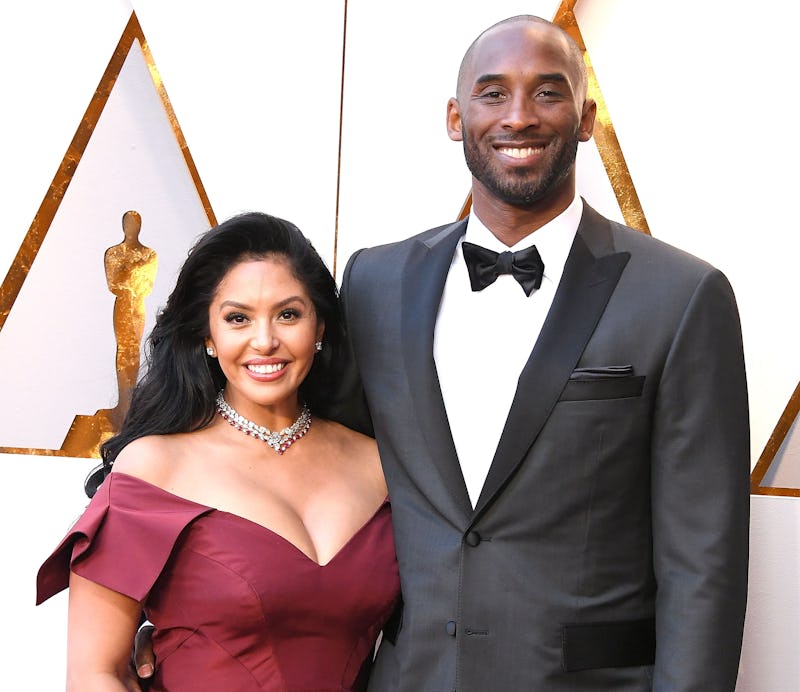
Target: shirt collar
{"x":553,"y":240}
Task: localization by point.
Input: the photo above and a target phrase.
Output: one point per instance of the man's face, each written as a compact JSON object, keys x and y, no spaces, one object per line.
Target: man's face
{"x":520,"y":113}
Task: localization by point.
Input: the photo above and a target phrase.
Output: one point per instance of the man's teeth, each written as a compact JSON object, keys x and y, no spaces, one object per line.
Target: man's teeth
{"x":267,"y":368}
{"x":517,"y":153}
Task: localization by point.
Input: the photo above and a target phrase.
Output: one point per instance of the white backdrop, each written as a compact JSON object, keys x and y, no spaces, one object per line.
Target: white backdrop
{"x":700,"y":94}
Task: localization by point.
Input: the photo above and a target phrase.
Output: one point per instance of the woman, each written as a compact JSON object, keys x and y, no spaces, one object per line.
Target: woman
{"x":251,"y":531}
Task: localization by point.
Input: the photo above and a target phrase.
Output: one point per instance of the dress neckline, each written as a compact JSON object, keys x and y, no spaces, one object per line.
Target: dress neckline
{"x":259,"y":526}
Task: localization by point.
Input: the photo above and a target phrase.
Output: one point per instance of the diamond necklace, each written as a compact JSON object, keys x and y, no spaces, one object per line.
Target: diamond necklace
{"x":280,"y":441}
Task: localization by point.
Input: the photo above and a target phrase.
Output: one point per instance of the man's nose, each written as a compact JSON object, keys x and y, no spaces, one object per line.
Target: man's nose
{"x":521,"y":112}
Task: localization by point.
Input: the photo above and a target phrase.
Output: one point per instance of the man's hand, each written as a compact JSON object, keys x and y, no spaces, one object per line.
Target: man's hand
{"x":143,"y":662}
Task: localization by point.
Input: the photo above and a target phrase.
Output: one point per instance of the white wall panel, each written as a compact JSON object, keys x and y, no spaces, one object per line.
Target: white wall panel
{"x":255,"y":86}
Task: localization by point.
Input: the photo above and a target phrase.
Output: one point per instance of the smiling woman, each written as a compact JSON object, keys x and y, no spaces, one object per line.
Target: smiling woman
{"x":230,"y":497}
{"x":263,"y":329}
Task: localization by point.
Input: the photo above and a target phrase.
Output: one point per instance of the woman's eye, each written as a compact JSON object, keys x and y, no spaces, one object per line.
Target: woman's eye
{"x":288,"y":315}
{"x":236,"y":318}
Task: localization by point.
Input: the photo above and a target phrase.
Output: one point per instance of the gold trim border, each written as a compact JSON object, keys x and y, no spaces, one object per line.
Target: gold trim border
{"x":339,"y":151}
{"x":774,"y":443}
{"x":604,"y":133}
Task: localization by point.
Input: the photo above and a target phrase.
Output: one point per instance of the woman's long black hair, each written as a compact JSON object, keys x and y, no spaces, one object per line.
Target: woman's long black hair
{"x":178,"y":390}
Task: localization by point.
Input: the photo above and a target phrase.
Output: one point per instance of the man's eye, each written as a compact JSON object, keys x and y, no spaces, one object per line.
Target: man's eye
{"x":548,"y":94}
{"x":492,"y":95}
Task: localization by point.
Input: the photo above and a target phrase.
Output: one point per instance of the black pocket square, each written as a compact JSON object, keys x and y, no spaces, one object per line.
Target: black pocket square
{"x":604,"y":382}
{"x":602,"y":373}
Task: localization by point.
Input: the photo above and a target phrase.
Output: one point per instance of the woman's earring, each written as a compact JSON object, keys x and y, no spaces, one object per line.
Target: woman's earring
{"x":210,"y":351}
{"x":318,"y":346}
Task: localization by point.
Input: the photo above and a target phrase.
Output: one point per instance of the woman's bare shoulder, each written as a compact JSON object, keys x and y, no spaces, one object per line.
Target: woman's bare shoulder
{"x":151,"y":458}
{"x":359,"y":453}
{"x":353,"y":442}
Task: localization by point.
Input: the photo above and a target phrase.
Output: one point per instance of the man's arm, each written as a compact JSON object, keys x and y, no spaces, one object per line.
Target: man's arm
{"x":350,"y":407}
{"x":700,"y":497}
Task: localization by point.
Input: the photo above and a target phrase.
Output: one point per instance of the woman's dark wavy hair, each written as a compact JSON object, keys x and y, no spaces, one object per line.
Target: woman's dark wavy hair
{"x":180,"y":383}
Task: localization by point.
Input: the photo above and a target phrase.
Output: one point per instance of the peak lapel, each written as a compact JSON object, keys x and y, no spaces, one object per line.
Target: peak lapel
{"x":424,"y":277}
{"x":586,"y":285}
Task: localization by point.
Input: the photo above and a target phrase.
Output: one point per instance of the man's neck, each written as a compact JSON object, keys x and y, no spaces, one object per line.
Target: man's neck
{"x":510,"y":224}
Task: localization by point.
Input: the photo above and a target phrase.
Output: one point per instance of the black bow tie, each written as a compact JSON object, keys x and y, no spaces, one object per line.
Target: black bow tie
{"x":484,"y":266}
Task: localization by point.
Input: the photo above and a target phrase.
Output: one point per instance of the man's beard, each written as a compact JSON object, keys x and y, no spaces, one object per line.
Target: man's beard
{"x":515,"y":186}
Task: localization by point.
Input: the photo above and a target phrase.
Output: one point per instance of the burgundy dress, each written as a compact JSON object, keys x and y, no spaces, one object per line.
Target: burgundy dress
{"x":235,"y":606}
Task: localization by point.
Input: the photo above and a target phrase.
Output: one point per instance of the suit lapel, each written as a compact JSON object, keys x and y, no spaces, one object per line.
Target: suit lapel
{"x":424,"y":278}
{"x":590,"y":275}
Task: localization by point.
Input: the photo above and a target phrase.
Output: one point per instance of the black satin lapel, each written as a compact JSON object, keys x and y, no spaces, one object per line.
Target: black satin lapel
{"x":586,"y":286}
{"x":423,"y":283}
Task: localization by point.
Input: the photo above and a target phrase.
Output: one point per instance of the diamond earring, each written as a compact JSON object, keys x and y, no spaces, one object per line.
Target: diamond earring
{"x":210,"y":351}
{"x":318,"y":346}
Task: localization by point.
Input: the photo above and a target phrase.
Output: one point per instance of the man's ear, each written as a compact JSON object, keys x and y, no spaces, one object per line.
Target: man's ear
{"x":454,"y":120}
{"x":587,"y":120}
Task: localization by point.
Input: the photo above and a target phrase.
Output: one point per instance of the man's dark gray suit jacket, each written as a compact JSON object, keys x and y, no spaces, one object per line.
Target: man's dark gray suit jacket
{"x":608,"y":549}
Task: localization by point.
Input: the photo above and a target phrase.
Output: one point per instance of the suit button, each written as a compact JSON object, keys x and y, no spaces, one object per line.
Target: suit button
{"x":450,"y":627}
{"x":472,"y":539}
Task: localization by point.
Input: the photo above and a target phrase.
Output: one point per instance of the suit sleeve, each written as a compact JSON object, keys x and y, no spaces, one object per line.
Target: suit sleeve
{"x":700,"y":497}
{"x":350,"y":407}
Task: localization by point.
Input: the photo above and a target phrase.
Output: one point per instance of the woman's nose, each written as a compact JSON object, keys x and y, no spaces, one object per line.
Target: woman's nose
{"x":264,"y":338}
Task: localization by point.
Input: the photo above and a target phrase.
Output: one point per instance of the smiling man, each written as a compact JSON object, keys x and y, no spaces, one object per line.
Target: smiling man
{"x":521,"y":110}
{"x":564,"y":429}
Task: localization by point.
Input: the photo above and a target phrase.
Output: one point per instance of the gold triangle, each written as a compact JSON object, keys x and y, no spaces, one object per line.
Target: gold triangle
{"x":88,"y":432}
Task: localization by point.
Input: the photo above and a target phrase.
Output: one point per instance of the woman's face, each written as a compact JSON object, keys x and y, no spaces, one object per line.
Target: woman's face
{"x":263,"y":328}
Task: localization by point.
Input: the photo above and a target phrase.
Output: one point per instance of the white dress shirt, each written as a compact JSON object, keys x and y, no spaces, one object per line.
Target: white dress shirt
{"x":483,"y":339}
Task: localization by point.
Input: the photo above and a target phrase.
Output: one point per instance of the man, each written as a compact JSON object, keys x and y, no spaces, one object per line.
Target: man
{"x":568,"y":461}
{"x":567,"y":455}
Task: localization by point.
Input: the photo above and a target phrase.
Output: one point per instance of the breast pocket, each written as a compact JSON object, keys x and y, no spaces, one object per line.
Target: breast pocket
{"x":603,"y":382}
